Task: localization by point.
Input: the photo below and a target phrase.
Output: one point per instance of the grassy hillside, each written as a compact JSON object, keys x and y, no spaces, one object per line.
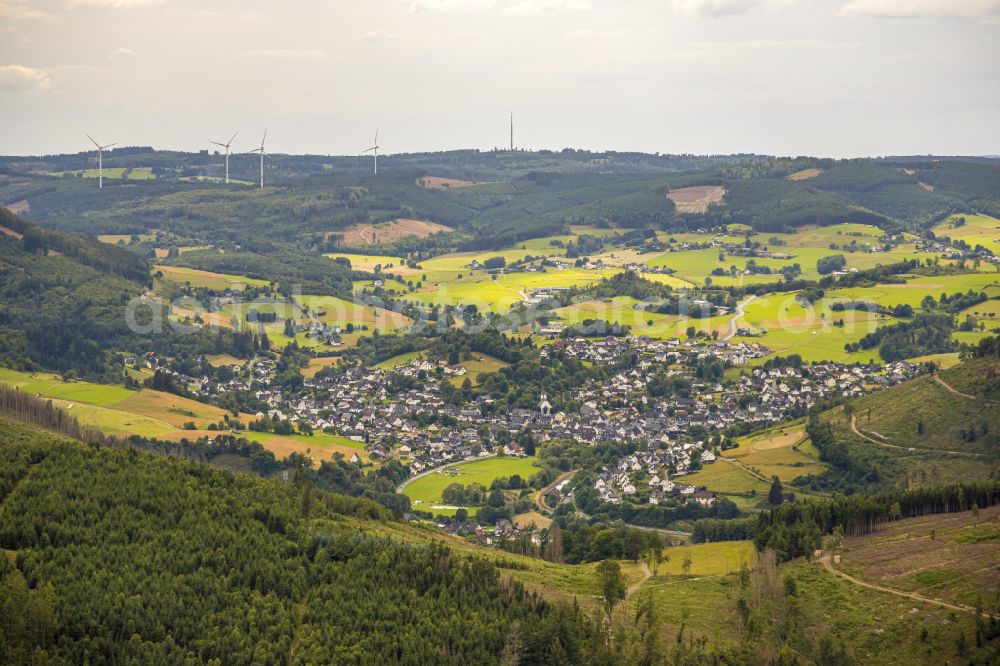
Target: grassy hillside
{"x":924,"y":432}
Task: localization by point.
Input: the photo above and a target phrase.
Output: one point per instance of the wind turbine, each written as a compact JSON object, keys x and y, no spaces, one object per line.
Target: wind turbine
{"x":374,"y":148}
{"x":262,"y":153}
{"x":100,"y":160}
{"x":226,"y":146}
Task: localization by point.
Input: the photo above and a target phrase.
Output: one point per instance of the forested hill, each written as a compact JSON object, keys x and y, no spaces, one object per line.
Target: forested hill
{"x":120,"y":557}
{"x":64,"y":305}
{"x":101,"y":257}
{"x":62,"y":298}
{"x":489,"y":199}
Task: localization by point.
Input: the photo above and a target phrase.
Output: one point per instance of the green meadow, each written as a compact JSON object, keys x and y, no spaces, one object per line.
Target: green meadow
{"x":977,"y":230}
{"x":425,"y":492}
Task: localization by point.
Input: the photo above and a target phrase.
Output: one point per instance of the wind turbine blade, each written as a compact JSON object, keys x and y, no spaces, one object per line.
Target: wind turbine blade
{"x":219,"y":144}
{"x":263,"y":139}
{"x":233,"y":137}
{"x":94,"y":142}
{"x":376,"y":136}
{"x":109,"y":145}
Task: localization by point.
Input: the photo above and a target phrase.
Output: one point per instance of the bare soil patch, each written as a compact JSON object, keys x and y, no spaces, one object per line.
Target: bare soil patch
{"x":926,"y":186}
{"x":696,"y":199}
{"x":11,"y":232}
{"x":19,"y":207}
{"x":436,"y":183}
{"x":388,"y":232}
{"x":805,"y":174}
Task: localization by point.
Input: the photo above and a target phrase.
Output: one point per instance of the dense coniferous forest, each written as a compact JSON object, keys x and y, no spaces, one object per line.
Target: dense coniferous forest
{"x":120,"y":557}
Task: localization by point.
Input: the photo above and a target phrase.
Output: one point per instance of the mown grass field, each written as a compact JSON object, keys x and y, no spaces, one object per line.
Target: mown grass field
{"x":783,"y":451}
{"x":337,"y":311}
{"x":977,"y":230}
{"x":206,"y":279}
{"x":425,"y":492}
{"x":709,"y":559}
{"x":479,"y":363}
{"x":808,"y":245}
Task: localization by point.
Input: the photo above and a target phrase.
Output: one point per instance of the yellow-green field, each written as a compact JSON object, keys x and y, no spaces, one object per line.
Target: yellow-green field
{"x":977,"y":230}
{"x":808,"y":245}
{"x":118,"y":173}
{"x":710,"y":559}
{"x":479,"y":363}
{"x":333,"y":310}
{"x":206,"y":279}
{"x":115,"y":410}
{"x":425,"y":492}
{"x":368,"y":262}
{"x":743,"y":473}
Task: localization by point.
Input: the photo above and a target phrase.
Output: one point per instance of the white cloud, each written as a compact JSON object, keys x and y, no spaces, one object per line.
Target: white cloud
{"x":450,"y":5}
{"x":971,"y":9}
{"x":714,"y":8}
{"x":15,"y":11}
{"x":378,"y":36}
{"x":284,"y":54}
{"x":112,"y":4}
{"x":537,"y":6}
{"x":774,"y":44}
{"x":510,"y":6}
{"x":20,"y":78}
{"x":121,"y":53}
{"x":592,"y":35}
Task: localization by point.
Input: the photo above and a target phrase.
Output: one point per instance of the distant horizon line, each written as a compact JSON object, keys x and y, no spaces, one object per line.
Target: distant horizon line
{"x":148,"y":148}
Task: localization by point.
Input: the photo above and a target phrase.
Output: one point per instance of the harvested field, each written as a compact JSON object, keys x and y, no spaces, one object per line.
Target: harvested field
{"x":953,"y":557}
{"x":805,"y":174}
{"x":696,"y":199}
{"x":317,"y":364}
{"x":388,"y":232}
{"x":435,"y":183}
{"x":282,"y":447}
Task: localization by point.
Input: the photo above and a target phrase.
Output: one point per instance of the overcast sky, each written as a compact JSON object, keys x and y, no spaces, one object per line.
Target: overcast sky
{"x":789,"y":77}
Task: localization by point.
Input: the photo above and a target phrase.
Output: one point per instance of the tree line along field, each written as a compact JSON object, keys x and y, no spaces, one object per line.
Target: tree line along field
{"x":425,"y":491}
{"x":118,"y":411}
{"x":743,"y":474}
{"x":952,"y":557}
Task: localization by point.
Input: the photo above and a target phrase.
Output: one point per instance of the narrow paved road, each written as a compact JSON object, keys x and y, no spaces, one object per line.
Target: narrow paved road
{"x":740,"y":312}
{"x":825,"y":561}
{"x":540,"y":497}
